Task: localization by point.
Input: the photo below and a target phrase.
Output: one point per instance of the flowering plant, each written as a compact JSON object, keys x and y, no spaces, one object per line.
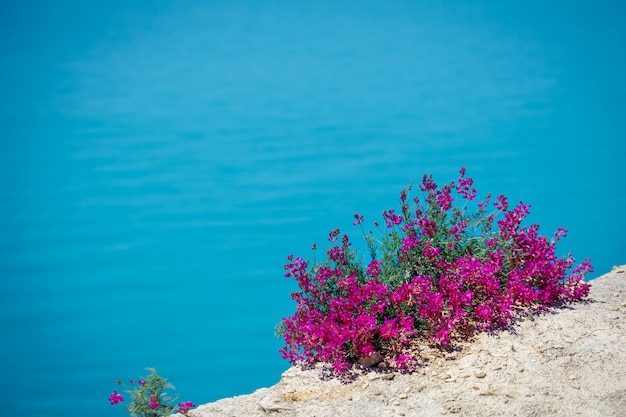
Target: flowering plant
{"x":149,"y":397}
{"x":438,"y":273}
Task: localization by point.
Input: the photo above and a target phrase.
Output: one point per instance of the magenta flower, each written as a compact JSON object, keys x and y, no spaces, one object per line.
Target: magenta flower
{"x":391,"y":218}
{"x":184,"y":407}
{"x":409,"y":243}
{"x":373,"y":269}
{"x":444,"y":199}
{"x":463,"y":186}
{"x":389,"y":329}
{"x":428,"y":184}
{"x":154,"y":402}
{"x":560,"y":233}
{"x":359,"y":219}
{"x":501,"y":204}
{"x":115,"y":398}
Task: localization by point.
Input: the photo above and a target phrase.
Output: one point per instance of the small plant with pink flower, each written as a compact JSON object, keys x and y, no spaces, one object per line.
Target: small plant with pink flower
{"x":150,"y":397}
{"x":437,"y":273}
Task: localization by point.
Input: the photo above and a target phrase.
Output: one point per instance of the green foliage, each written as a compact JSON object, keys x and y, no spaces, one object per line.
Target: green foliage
{"x":150,"y":397}
{"x":151,"y":392}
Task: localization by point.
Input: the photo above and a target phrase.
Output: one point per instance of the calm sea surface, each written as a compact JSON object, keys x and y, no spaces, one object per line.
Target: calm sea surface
{"x":160,"y":160}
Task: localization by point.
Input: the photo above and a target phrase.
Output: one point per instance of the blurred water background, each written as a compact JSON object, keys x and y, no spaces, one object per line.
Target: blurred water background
{"x":159,"y":161}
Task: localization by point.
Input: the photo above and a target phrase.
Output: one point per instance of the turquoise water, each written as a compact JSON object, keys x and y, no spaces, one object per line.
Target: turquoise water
{"x":159,"y":161}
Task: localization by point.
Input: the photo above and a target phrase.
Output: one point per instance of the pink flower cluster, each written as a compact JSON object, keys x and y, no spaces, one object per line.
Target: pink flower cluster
{"x":443,"y":274}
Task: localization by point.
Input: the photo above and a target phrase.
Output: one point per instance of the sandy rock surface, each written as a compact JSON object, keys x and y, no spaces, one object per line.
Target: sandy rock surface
{"x":569,"y":362}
